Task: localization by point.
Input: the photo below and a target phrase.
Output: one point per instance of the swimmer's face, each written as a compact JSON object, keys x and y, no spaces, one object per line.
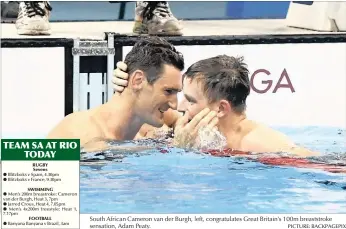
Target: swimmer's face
{"x":194,"y":100}
{"x":157,"y":98}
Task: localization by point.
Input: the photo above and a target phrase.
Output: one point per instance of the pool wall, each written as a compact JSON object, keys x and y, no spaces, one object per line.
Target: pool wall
{"x":295,"y":79}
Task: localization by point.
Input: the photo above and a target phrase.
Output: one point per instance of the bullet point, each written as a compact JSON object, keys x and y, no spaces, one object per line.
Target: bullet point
{"x":5,"y":193}
{"x":5,"y":223}
{"x":5,"y":174}
{"x":5,"y":179}
{"x":5,"y":209}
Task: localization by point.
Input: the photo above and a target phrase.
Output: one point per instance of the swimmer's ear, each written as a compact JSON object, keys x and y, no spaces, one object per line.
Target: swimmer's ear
{"x":137,"y":79}
{"x":224,"y":108}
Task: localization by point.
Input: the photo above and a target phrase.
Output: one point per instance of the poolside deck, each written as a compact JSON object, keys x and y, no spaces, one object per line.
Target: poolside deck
{"x":96,"y":30}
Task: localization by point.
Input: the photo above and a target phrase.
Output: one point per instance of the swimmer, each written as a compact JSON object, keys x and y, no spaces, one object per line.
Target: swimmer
{"x":154,"y":66}
{"x":221,"y":84}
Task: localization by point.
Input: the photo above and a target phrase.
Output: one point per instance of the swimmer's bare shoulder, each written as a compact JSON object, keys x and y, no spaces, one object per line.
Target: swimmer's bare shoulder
{"x":78,"y":125}
{"x":263,"y":139}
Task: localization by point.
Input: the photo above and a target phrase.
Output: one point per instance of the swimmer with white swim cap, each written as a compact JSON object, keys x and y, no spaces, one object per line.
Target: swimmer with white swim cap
{"x":220,"y":84}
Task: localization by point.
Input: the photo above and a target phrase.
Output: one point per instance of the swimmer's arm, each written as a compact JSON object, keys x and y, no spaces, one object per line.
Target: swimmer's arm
{"x":143,"y":131}
{"x":300,"y":151}
{"x":139,"y":136}
{"x":171,"y":117}
{"x":266,"y":140}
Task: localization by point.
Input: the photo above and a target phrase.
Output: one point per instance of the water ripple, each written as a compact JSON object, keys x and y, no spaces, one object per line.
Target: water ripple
{"x":161,"y":179}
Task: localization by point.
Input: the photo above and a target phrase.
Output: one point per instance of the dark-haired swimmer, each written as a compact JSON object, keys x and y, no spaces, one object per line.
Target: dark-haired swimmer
{"x":154,"y":66}
{"x":220,"y":84}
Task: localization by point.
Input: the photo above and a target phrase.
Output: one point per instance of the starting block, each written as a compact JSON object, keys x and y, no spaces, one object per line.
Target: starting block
{"x":318,"y":16}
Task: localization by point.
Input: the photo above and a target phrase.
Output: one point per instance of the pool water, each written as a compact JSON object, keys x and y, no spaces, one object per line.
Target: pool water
{"x":190,"y":182}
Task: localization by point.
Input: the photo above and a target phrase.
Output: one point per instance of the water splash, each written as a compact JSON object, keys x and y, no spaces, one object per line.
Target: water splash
{"x":210,"y":139}
{"x":333,"y":158}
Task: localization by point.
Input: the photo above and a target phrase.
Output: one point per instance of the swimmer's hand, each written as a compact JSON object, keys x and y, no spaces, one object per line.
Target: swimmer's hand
{"x":120,"y":77}
{"x":185,"y":132}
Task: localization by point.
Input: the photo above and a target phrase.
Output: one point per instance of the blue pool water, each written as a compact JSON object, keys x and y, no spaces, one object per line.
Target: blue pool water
{"x":189,"y":182}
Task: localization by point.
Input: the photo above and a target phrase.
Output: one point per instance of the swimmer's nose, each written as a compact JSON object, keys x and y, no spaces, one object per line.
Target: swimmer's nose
{"x":182,"y":106}
{"x":173,"y":104}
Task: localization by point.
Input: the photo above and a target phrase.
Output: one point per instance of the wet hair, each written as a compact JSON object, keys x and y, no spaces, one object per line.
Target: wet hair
{"x":149,"y":54}
{"x":223,"y":77}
